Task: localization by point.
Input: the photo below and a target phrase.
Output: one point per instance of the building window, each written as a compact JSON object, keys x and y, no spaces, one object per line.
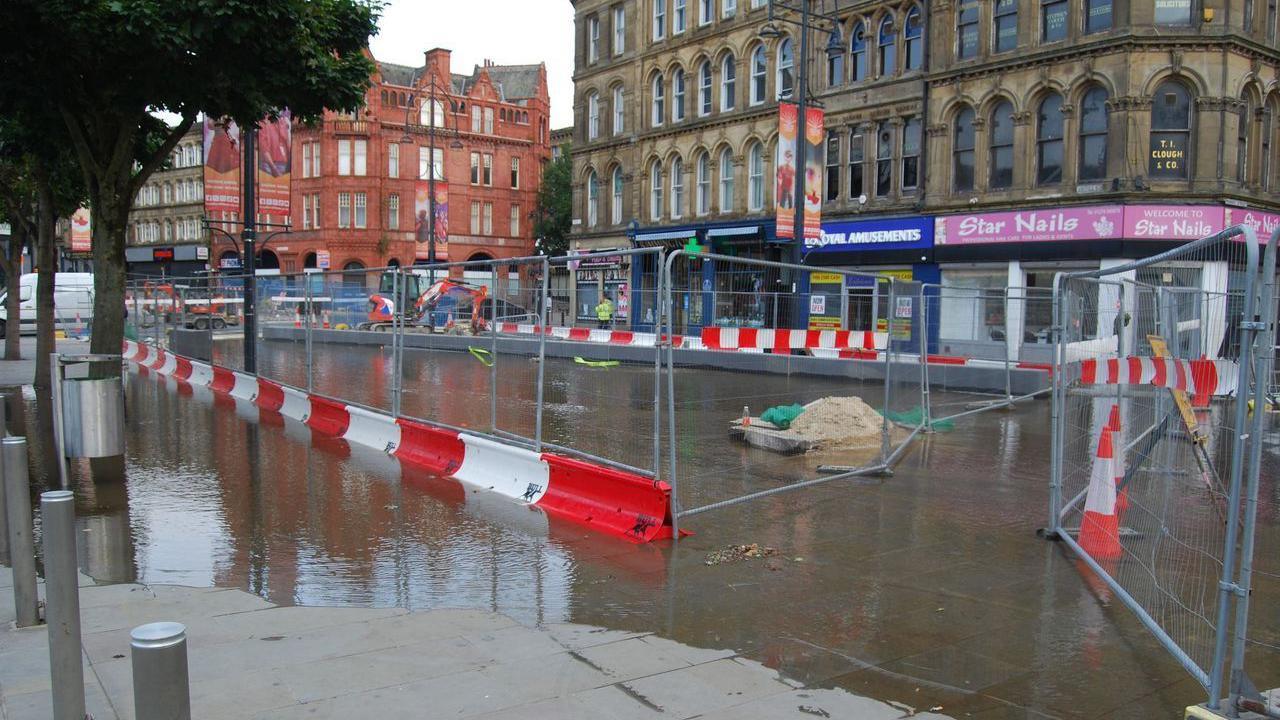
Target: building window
{"x":426,"y":116}
{"x":786,"y":80}
{"x":677,"y":95}
{"x":475,"y":168}
{"x":619,"y":111}
{"x":619,"y":30}
{"x":680,"y":17}
{"x":475,"y":119}
{"x":344,"y":210}
{"x":858,"y":54}
{"x":655,"y":191}
{"x":393,"y":160}
{"x":1170,"y":132}
{"x":726,"y":181}
{"x":360,"y":163}
{"x":475,"y":217}
{"x":344,"y":157}
{"x":424,"y":162}
{"x":911,"y":154}
{"x":729,"y":7}
{"x":488,"y":218}
{"x":1053,"y":19}
{"x":515,"y":173}
{"x":857,"y":156}
{"x":593,"y":200}
{"x":755,"y":177}
{"x":315,"y":159}
{"x":593,"y":38}
{"x":1093,"y":135}
{"x":362,"y":210}
{"x":833,"y":165}
{"x":702,"y":192}
{"x":1000,"y":162}
{"x":1005,"y":26}
{"x":759,"y":69}
{"x":884,"y":160}
{"x":677,"y":188}
{"x":315,"y":211}
{"x":888,"y":44}
{"x":488,"y":170}
{"x":393,"y":212}
{"x":915,"y":40}
{"x":515,"y":221}
{"x":1049,"y":133}
{"x":728,"y":83}
{"x":706,"y":8}
{"x":659,"y":100}
{"x":704,"y":88}
{"x":306,"y":160}
{"x":306,"y":212}
{"x":615,"y":207}
{"x":488,"y":121}
{"x":1173,"y":12}
{"x":1097,"y":15}
{"x":593,"y":116}
{"x":835,"y":69}
{"x":967,"y":29}
{"x":659,"y":19}
{"x":962,"y":150}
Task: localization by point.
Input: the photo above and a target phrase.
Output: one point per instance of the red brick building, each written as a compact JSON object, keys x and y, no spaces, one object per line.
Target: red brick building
{"x":355,"y":174}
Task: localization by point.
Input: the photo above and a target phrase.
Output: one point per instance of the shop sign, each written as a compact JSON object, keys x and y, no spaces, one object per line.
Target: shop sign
{"x":322,"y":259}
{"x":902,"y":313}
{"x":229,"y":263}
{"x":1172,"y":222}
{"x":867,"y":281}
{"x":1039,"y":225}
{"x":202,"y":252}
{"x":1263,"y":223}
{"x":162,"y":255}
{"x":818,"y":304}
{"x":894,"y":234}
{"x":599,"y":262}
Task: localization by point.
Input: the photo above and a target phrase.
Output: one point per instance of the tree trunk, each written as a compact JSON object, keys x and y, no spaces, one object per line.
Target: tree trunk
{"x":13,"y":298}
{"x":110,"y":221}
{"x":46,"y":266}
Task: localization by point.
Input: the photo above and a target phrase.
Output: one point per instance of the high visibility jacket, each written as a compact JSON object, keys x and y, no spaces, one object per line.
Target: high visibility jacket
{"x":604,"y":311}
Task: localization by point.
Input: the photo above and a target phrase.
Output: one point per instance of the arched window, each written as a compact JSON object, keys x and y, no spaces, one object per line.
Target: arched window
{"x":1093,"y":135}
{"x":619,"y":111}
{"x":593,"y":199}
{"x":1244,"y":142}
{"x":704,"y":88}
{"x":915,"y":39}
{"x":615,"y":205}
{"x":728,"y":83}
{"x":677,"y":188}
{"x":702,"y":189}
{"x":677,"y":95}
{"x":1170,"y":132}
{"x":1268,"y":127}
{"x":1049,"y":133}
{"x":887,"y":41}
{"x":593,"y":116}
{"x":659,"y":100}
{"x":755,"y":177}
{"x":858,"y":54}
{"x":1000,"y":165}
{"x":1004,"y":28}
{"x":962,"y":150}
{"x":759,"y":69}
{"x":726,"y":181}
{"x":786,"y":81}
{"x":835,"y":69}
{"x":655,"y":191}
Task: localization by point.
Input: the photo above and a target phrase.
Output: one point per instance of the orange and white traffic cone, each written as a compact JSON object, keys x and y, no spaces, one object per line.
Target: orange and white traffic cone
{"x":297,"y":319}
{"x":326,"y":319}
{"x":1100,"y":527}
{"x":1117,"y":437}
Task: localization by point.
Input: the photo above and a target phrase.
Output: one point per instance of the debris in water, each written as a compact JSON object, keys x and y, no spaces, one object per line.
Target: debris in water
{"x":737,"y":553}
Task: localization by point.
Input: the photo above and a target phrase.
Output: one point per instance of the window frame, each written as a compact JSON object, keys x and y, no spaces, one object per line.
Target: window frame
{"x":726,"y":183}
{"x":1003,"y":10}
{"x":728,"y":83}
{"x":756,"y":195}
{"x":1085,"y":135}
{"x":1044,"y":141}
{"x":759,"y":87}
{"x":999,"y":146}
{"x":958,"y":150}
{"x":886,"y":52}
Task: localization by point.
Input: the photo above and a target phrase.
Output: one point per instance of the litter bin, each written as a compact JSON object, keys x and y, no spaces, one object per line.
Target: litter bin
{"x":88,"y":419}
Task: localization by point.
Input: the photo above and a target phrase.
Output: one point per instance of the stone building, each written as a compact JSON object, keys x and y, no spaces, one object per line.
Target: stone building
{"x":166,"y":232}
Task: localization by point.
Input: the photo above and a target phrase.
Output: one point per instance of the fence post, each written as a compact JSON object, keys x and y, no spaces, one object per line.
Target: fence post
{"x":544,"y":317}
{"x":306,"y":281}
{"x":161,"y":686}
{"x":657,"y":366}
{"x":888,"y":374}
{"x":62,"y":608}
{"x":1008,"y":349}
{"x":668,"y":311}
{"x":22,"y":551}
{"x":926,"y":399}
{"x":399,"y":312}
{"x":493,"y":348}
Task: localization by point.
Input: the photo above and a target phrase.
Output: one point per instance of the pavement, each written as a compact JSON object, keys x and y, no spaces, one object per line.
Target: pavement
{"x":249,"y":658}
{"x":23,"y":372}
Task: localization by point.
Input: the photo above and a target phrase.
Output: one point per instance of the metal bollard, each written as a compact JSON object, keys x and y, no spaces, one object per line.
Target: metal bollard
{"x":22,"y":549}
{"x":161,"y":688}
{"x":62,"y":603}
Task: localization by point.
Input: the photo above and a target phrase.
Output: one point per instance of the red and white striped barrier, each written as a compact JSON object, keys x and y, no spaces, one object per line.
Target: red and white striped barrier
{"x":609,"y":500}
{"x":607,"y":337}
{"x":787,"y":340}
{"x":1197,"y":377}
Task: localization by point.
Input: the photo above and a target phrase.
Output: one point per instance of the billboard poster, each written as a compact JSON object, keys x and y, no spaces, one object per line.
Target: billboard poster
{"x":785,"y":174}
{"x":814,"y":135}
{"x":421,"y":224}
{"x":221,"y":169}
{"x":274,"y":158}
{"x":825,"y":290}
{"x":81,"y":231}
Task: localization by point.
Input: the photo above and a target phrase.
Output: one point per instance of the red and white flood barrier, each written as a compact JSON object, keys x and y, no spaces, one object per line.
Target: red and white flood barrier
{"x":613,"y":501}
{"x":591,"y":335}
{"x":788,"y":340}
{"x":1196,"y":377}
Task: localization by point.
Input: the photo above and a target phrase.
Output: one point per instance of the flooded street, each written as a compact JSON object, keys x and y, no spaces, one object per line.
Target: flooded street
{"x":927,"y":588}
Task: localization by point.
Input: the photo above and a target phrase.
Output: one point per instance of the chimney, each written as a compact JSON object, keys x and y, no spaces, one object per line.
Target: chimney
{"x":439,"y":57}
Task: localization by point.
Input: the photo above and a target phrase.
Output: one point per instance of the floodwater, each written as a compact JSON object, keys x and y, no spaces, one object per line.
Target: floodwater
{"x":928,"y":588}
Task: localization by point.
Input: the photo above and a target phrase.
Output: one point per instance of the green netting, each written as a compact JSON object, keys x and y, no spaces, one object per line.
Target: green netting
{"x":915,"y":417}
{"x":782,"y":415}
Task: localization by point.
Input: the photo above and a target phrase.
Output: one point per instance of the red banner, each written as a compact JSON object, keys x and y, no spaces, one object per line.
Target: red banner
{"x":274,"y":156}
{"x":422,"y":208}
{"x":221,"y":169}
{"x":814,"y":135}
{"x":81,"y":231}
{"x":784,"y":195}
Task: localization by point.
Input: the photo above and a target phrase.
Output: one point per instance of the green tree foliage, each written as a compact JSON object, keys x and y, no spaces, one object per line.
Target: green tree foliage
{"x":553,"y":216}
{"x":106,"y":67}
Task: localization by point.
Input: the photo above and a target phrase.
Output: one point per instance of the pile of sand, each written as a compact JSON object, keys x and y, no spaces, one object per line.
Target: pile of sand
{"x":838,"y":421}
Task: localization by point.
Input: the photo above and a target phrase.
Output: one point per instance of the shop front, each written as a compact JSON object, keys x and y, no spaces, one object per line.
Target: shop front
{"x":167,"y":261}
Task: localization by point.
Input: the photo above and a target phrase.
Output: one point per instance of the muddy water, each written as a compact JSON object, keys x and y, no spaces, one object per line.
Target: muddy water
{"x":928,"y":588}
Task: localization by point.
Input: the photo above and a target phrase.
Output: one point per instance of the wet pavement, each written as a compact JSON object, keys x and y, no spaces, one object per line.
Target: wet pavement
{"x":929,"y":588}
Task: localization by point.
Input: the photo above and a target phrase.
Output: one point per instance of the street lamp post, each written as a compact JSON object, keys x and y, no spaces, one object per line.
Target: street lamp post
{"x":407,"y":139}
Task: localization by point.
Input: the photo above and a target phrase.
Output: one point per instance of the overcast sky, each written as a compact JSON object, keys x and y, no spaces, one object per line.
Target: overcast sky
{"x":509,"y":32}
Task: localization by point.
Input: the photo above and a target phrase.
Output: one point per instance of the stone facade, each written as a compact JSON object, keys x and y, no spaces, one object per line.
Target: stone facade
{"x":166,"y":232}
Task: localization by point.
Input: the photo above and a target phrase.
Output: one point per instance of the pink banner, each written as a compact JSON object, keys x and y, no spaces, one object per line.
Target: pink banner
{"x":1172,"y":222}
{"x":1042,"y":225}
{"x":1263,"y":223}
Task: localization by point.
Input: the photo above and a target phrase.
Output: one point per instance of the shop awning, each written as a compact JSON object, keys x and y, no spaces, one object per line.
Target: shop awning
{"x":664,"y":238}
{"x":732,"y":232}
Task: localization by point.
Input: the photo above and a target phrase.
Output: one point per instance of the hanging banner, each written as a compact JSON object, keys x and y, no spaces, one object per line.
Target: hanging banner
{"x":422,"y":227}
{"x":81,"y":231}
{"x":221,"y":169}
{"x":274,"y":156}
{"x":785,"y":176}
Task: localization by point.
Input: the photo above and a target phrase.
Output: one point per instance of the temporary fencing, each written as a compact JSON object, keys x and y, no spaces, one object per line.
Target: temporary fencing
{"x":1155,"y":455}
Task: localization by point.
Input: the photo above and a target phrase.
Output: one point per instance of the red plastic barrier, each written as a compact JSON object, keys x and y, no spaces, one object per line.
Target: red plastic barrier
{"x":141,"y":357}
{"x":623,"y":337}
{"x":270,"y":395}
{"x":1047,"y":367}
{"x":581,"y":334}
{"x":436,"y":449}
{"x":223,"y":380}
{"x":858,"y":354}
{"x":158,"y":362}
{"x":947,"y":360}
{"x":183,"y":370}
{"x":613,"y":501}
{"x":328,"y":416}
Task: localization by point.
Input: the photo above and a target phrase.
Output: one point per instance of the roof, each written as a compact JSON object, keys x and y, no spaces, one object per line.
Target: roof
{"x":513,"y":82}
{"x":399,"y":74}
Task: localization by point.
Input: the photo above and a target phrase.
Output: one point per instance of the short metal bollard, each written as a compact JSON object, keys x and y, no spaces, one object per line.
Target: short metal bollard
{"x":22,"y":549}
{"x":161,"y":688}
{"x":62,"y":602}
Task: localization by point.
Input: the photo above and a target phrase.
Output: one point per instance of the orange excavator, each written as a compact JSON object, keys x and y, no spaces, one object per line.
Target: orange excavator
{"x":439,"y":307}
{"x":163,"y":301}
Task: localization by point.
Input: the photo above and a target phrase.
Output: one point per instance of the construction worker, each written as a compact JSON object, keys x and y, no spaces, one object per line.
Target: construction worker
{"x":604,"y":313}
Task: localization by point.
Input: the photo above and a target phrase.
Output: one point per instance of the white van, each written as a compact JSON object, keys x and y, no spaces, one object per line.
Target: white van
{"x":72,"y":301}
